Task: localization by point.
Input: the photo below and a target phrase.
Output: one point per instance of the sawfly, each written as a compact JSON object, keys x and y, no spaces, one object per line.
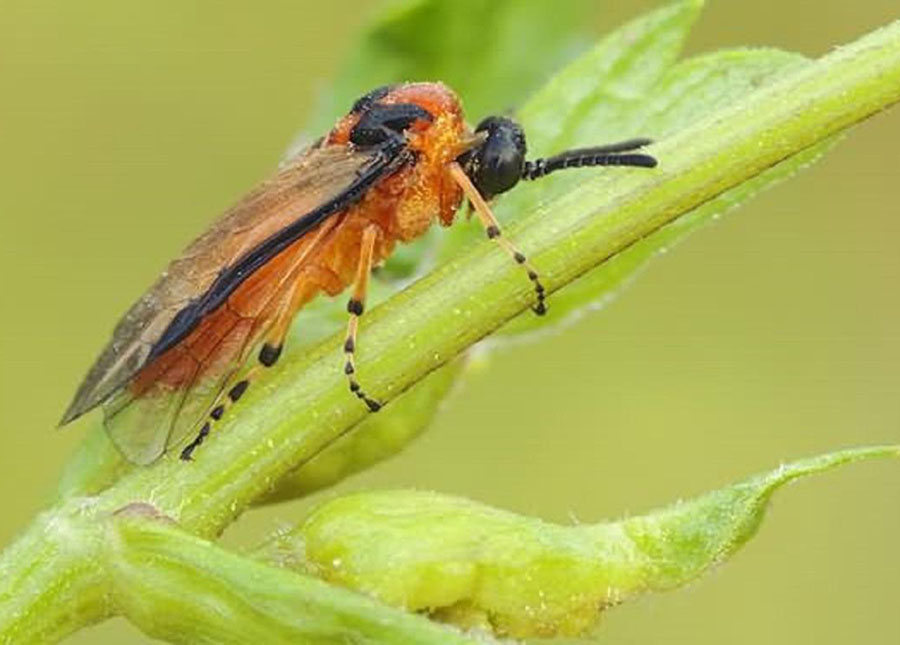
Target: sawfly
{"x":402,"y":159}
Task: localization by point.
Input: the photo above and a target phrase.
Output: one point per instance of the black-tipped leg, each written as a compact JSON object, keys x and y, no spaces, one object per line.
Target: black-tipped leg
{"x":193,"y":445}
{"x":492,"y":229}
{"x":355,"y":307}
{"x":279,"y":319}
{"x":269,"y":354}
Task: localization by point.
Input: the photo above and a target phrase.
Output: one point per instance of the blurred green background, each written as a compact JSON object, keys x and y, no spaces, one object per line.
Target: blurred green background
{"x":126,"y":126}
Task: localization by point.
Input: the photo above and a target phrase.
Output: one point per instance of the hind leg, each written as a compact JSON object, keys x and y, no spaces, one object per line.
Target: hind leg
{"x":271,"y":324}
{"x":304,"y":286}
{"x":268,"y":356}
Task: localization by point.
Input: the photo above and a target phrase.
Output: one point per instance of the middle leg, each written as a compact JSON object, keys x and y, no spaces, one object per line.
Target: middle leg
{"x":355,"y":307}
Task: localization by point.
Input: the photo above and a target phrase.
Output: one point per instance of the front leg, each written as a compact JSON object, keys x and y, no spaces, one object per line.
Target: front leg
{"x":492,"y":229}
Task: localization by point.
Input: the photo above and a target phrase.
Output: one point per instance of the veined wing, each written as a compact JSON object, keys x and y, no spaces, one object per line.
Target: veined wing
{"x":177,"y":390}
{"x":318,"y":183}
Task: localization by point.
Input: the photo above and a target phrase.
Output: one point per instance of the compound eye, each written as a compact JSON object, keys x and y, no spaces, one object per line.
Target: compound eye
{"x":497,"y":165}
{"x":500,"y":168}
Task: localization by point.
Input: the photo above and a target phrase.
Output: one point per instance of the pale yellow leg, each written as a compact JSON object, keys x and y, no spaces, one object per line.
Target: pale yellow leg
{"x":355,"y":307}
{"x":492,"y":228}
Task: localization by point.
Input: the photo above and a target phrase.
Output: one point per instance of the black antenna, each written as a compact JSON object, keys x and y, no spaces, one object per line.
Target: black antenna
{"x":608,"y":155}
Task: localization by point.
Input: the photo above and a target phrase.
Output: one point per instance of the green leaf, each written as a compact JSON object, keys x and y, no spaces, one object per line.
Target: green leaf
{"x":684,"y":95}
{"x":473,"y":565}
{"x":492,"y":52}
{"x":594,"y":97}
{"x":590,"y":102}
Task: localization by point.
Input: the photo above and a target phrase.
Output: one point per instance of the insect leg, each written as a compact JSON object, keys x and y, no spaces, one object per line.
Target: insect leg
{"x":272,"y":323}
{"x":355,"y":307}
{"x":492,"y":228}
{"x":268,"y":356}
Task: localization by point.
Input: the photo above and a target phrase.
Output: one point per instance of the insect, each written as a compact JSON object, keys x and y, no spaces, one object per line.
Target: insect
{"x":401,"y":159}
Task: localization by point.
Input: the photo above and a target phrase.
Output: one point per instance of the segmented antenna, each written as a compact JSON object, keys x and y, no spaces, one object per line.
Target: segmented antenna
{"x":608,"y":155}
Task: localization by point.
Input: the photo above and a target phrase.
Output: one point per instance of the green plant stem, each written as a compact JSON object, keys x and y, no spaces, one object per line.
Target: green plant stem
{"x":289,"y":418}
{"x":51,"y":580}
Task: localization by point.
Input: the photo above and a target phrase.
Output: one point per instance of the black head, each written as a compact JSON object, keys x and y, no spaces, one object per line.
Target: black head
{"x":496,"y":165}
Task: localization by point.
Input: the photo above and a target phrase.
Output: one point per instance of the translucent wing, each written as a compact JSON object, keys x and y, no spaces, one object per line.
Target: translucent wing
{"x":173,"y":394}
{"x":176,"y":347}
{"x":169,"y":399}
{"x":317,"y":176}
